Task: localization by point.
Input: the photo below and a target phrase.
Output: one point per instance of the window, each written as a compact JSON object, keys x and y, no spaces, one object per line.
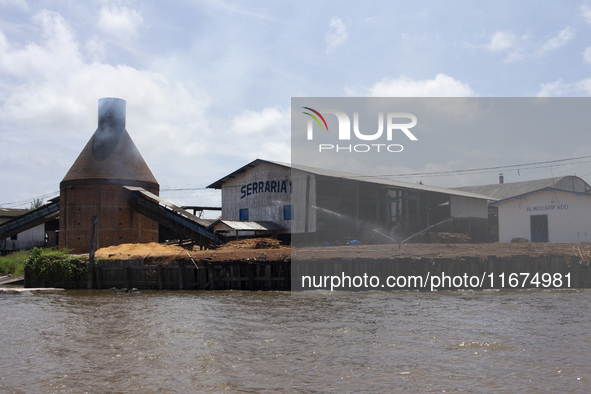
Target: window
{"x":244,"y":215}
{"x":14,"y":237}
{"x":287,"y":212}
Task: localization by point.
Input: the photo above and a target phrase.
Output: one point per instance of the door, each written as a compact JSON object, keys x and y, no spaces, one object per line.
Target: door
{"x":244,"y":215}
{"x":539,"y":228}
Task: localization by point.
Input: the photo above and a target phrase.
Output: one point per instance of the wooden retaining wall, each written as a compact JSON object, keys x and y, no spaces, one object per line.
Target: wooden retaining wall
{"x":283,"y":275}
{"x":182,"y":275}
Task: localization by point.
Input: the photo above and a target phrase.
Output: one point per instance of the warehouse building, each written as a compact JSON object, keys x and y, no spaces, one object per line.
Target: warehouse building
{"x":316,"y":205}
{"x":544,"y":210}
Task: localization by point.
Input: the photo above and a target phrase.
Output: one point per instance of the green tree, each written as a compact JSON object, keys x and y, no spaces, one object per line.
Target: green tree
{"x":38,"y":202}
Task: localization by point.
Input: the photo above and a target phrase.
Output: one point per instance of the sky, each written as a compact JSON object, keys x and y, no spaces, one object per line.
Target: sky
{"x":208,"y":84}
{"x":443,"y":141}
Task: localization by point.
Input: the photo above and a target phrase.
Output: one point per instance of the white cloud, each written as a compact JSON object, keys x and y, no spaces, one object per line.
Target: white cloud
{"x":52,"y":92}
{"x":501,"y":41}
{"x":336,"y":35}
{"x":119,"y":21}
{"x":96,"y":49}
{"x":456,"y":111}
{"x":553,"y":89}
{"x":271,"y":125}
{"x":441,"y":86}
{"x":586,"y":13}
{"x":255,"y":123}
{"x":509,"y":43}
{"x":559,"y":88}
{"x":520,"y":47}
{"x":584,"y":85}
{"x":560,"y":40}
{"x":587,"y":55}
{"x":57,"y":56}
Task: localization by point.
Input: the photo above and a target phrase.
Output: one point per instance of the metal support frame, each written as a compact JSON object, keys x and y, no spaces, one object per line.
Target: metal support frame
{"x":29,"y":220}
{"x":171,"y":219}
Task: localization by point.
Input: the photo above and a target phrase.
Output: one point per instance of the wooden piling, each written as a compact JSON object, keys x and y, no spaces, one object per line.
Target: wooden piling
{"x":250,"y":276}
{"x":126,"y":276}
{"x":99,"y":277}
{"x":180,"y":275}
{"x":90,"y":276}
{"x":268,"y":278}
{"x":210,"y":277}
{"x":159,"y":278}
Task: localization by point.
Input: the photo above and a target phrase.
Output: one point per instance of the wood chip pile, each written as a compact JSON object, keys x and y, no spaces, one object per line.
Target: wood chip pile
{"x":258,"y":249}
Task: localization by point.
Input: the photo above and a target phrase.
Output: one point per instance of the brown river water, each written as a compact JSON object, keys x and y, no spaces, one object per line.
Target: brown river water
{"x":77,"y":341}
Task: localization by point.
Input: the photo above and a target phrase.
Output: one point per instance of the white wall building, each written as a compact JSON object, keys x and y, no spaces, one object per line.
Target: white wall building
{"x":542,"y":210}
{"x":547,"y":215}
{"x":262,"y":191}
{"x":332,"y":206}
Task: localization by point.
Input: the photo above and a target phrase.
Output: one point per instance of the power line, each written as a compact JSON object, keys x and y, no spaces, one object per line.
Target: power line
{"x":56,"y":193}
{"x":25,"y":202}
{"x":172,"y":189}
{"x":526,"y":166}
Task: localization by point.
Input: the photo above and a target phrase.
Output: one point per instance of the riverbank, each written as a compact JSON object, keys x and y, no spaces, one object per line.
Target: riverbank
{"x":269,"y":249}
{"x":580,"y":250}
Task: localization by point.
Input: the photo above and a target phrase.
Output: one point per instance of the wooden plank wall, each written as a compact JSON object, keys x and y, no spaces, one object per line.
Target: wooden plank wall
{"x":276,"y":275}
{"x":184,"y":275}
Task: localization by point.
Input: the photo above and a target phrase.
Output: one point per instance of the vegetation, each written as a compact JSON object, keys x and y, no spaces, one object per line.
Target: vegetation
{"x":45,"y":264}
{"x":14,"y":263}
{"x":36,"y":203}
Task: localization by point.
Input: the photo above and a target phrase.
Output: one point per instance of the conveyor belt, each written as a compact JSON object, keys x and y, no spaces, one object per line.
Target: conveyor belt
{"x":171,"y":216}
{"x":29,"y":220}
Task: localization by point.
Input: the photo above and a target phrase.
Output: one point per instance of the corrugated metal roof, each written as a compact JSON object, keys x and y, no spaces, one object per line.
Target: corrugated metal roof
{"x":247,"y":226}
{"x":539,"y":191}
{"x":11,"y":213}
{"x":218,"y":184}
{"x":507,"y":190}
{"x":354,"y":177}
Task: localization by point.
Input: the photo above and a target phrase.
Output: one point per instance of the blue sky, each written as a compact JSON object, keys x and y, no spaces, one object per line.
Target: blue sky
{"x":208,"y":83}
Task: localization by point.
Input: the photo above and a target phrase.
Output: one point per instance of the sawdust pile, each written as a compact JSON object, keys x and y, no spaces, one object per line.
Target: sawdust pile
{"x":240,"y":250}
{"x":151,"y":248}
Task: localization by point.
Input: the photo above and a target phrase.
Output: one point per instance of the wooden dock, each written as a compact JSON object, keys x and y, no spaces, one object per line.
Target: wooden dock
{"x":10,"y":280}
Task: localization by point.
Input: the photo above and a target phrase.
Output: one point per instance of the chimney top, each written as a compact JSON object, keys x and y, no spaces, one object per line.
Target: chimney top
{"x":110,"y":154}
{"x":111,"y":123}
